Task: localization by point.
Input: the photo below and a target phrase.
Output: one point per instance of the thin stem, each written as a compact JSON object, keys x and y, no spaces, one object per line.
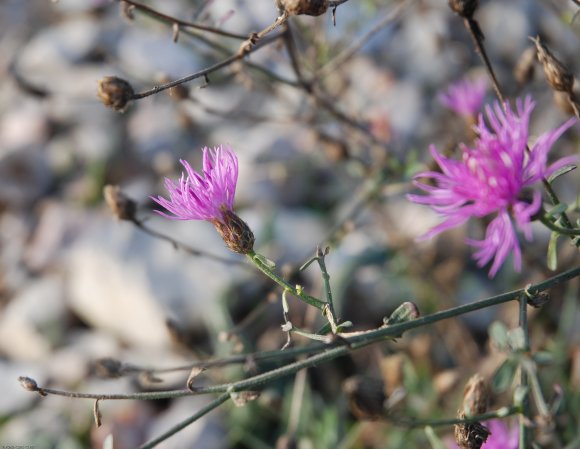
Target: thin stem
{"x":524,"y":442}
{"x":199,"y":414}
{"x":331,"y":351}
{"x":173,"y":20}
{"x":329,"y":310}
{"x":188,"y":249}
{"x":554,"y":227}
{"x":254,"y":258}
{"x":413,"y":422}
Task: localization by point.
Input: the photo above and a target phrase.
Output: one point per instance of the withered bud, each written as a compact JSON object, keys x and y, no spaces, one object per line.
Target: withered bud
{"x":123,"y":207}
{"x":108,"y":367}
{"x":538,"y":300}
{"x":235,"y":233}
{"x":568,"y":103}
{"x":243,"y":397}
{"x":307,"y":7}
{"x":97,"y":414}
{"x":557,"y":74}
{"x":470,"y":435}
{"x":366,"y":397}
{"x":475,"y":396}
{"x":465,"y":8}
{"x":525,"y":67}
{"x":115,"y":92}
{"x":193,"y":374}
{"x":27,"y":383}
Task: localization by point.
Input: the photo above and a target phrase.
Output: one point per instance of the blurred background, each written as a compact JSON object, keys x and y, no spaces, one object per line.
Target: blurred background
{"x":330,"y":165}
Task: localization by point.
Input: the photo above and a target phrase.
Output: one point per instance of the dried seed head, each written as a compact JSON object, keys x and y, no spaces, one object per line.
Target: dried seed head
{"x":557,"y":74}
{"x":27,"y":383}
{"x":307,"y":7}
{"x":568,"y":103}
{"x":115,"y":92}
{"x":524,"y":70}
{"x":366,"y":397}
{"x":108,"y":367}
{"x":470,"y":435}
{"x":121,"y":205}
{"x":475,"y":396}
{"x":235,"y":233}
{"x":465,"y":8}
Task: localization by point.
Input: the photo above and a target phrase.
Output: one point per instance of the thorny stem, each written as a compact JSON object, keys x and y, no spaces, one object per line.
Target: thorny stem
{"x":179,"y":426}
{"x":254,"y":258}
{"x":332,"y":351}
{"x":524,"y":442}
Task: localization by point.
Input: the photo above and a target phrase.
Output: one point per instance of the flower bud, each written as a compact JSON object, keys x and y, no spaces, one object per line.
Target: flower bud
{"x":235,"y":233}
{"x":121,"y":205}
{"x":557,"y":74}
{"x":27,"y":383}
{"x":115,"y":92}
{"x":465,"y":8}
{"x":307,"y":7}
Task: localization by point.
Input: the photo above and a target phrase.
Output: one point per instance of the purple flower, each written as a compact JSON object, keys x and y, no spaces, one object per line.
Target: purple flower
{"x":490,"y":178}
{"x":465,"y":97}
{"x":203,"y":196}
{"x":502,"y":437}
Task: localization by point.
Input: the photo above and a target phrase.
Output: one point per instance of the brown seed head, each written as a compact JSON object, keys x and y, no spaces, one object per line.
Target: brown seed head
{"x":235,"y":233}
{"x":557,"y":74}
{"x":115,"y":92}
{"x":307,"y":7}
{"x":475,"y":396}
{"x":470,"y":435}
{"x":123,"y":207}
{"x":465,"y":8}
{"x":28,"y":383}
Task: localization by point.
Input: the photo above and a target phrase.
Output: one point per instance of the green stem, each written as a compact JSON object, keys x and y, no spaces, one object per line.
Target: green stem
{"x":545,"y":220}
{"x":179,"y":426}
{"x":253,"y":257}
{"x":329,"y":352}
{"x":524,"y":442}
{"x":412,"y":422}
{"x":329,"y":310}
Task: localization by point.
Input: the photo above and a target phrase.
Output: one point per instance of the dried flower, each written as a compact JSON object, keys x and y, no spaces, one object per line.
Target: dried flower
{"x":307,"y":7}
{"x":557,"y":74}
{"x":115,"y":92}
{"x":210,"y":196}
{"x":465,"y":8}
{"x":501,"y":436}
{"x":123,"y":207}
{"x":475,"y":395}
{"x":465,"y":97}
{"x":490,"y":179}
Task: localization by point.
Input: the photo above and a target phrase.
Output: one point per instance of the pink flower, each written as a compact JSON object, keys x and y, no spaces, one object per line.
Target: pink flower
{"x":465,"y":97}
{"x":490,"y":178}
{"x":210,"y":196}
{"x":502,"y":437}
{"x":203,"y":196}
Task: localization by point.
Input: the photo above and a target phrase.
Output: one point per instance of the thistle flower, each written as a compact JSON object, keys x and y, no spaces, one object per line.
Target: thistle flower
{"x":501,"y":437}
{"x":465,"y":97}
{"x":210,"y":196}
{"x":490,"y":179}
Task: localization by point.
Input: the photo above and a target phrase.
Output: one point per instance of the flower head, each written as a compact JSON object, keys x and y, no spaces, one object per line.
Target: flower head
{"x":465,"y":97}
{"x":501,"y":437}
{"x":210,"y":196}
{"x":490,"y":178}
